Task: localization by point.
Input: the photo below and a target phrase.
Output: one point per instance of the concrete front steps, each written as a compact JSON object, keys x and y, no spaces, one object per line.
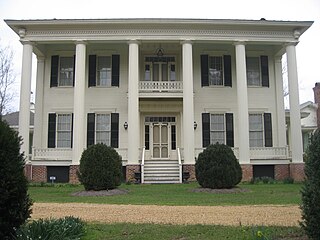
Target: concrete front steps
{"x":161,"y":171}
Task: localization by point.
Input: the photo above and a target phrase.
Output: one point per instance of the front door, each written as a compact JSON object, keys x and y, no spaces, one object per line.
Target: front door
{"x":160,"y":143}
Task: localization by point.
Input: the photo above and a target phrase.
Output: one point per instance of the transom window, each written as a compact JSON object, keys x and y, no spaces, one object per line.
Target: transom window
{"x":103,"y":129}
{"x":104,"y":71}
{"x":64,"y":130}
{"x":66,"y":71}
{"x":217,"y":128}
{"x":253,"y":71}
{"x":256,"y":130}
{"x":216,"y":70}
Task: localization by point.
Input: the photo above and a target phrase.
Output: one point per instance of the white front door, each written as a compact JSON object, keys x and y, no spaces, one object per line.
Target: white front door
{"x":160,"y":143}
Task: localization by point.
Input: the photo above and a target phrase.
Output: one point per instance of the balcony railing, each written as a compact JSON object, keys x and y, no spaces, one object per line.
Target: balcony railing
{"x":160,"y":86}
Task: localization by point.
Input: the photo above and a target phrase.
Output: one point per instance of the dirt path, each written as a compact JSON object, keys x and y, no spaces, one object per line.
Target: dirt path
{"x":281,"y":215}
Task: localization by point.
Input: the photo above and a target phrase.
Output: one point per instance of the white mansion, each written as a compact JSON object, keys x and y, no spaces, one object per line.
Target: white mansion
{"x":159,"y":91}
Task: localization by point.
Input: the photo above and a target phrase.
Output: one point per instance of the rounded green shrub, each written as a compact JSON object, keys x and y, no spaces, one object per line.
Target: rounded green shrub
{"x":311,"y":189}
{"x":100,"y":168}
{"x":15,"y":204}
{"x":217,"y":167}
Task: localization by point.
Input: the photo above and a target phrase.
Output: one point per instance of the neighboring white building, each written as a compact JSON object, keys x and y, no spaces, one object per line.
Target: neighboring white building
{"x":159,"y":91}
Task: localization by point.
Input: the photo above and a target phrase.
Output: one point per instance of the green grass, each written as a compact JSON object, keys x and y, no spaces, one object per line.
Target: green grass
{"x":185,"y":232}
{"x":175,"y":194}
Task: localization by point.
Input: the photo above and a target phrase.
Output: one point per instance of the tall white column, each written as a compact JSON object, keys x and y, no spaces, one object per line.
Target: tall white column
{"x":25,"y":91}
{"x":79,"y":103}
{"x":281,"y":121}
{"x":133,"y":103}
{"x":37,"y":135}
{"x":295,"y":122}
{"x":242,"y":96}
{"x":188,"y":107}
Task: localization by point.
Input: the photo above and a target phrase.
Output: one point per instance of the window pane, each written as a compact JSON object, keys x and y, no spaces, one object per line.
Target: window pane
{"x":172,"y":72}
{"x":104,"y":71}
{"x":255,"y":130}
{"x":103,"y":128}
{"x":215,"y":71}
{"x":217,"y":137}
{"x":253,"y":71}
{"x":147,"y":72}
{"x":66,"y":71}
{"x":155,"y":72}
{"x":164,"y":69}
{"x":64,"y":130}
{"x":217,"y":128}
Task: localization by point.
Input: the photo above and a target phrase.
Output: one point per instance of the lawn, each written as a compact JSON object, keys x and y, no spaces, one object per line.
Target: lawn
{"x":175,"y":194}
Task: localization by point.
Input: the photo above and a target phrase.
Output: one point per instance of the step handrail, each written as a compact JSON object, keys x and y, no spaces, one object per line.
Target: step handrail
{"x":180,"y":166}
{"x":142,"y":164}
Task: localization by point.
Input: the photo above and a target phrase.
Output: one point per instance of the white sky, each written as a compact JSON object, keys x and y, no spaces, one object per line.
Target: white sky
{"x":308,"y":50}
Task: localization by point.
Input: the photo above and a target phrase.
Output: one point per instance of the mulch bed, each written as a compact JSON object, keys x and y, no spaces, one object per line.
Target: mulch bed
{"x":221,"y":191}
{"x":101,"y":193}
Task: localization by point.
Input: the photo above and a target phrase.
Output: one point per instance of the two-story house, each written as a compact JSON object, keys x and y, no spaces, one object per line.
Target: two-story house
{"x":159,"y":91}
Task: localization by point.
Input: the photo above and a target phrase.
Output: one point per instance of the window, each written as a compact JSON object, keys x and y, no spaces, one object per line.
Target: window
{"x":159,"y":69}
{"x":256,"y":130}
{"x":66,"y":71}
{"x":64,"y":130}
{"x":215,"y":71}
{"x":253,"y":71}
{"x":217,"y":129}
{"x":103,"y":129}
{"x":104,"y":71}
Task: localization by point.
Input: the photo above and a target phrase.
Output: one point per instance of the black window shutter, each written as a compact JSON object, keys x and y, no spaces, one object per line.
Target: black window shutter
{"x":115,"y":130}
{"x":229,"y":130}
{"x":54,"y":71}
{"x":71,"y":130}
{"x":268,"y":130}
{"x":264,"y":71}
{"x":227,"y":70}
{"x":205,"y":129}
{"x":52,"y":130}
{"x":92,"y":70}
{"x":204,"y":70}
{"x":74,"y":69}
{"x":115,"y":70}
{"x":90,"y":129}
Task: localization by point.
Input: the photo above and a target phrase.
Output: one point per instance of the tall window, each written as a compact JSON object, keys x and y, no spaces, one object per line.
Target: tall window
{"x":253,"y":71}
{"x":103,"y":129}
{"x":64,"y":130}
{"x":256,"y":130}
{"x":217,"y":128}
{"x":160,"y":69}
{"x":215,"y":71}
{"x":104,"y":71}
{"x":66,"y":71}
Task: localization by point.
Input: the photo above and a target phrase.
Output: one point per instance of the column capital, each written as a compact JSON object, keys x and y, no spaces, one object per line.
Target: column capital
{"x":27,"y":42}
{"x":293,"y":44}
{"x":40,"y":58}
{"x":240,"y":42}
{"x":186,"y":41}
{"x":134,"y":41}
{"x":80,"y":41}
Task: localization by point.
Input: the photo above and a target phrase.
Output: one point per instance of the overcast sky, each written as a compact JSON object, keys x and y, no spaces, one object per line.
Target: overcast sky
{"x":308,"y":50}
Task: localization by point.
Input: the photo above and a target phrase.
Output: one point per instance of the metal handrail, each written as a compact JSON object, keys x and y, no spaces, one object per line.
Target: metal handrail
{"x":142,"y":164}
{"x":180,"y":166}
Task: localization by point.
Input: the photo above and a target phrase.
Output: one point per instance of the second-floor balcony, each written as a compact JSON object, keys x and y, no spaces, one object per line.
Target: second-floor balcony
{"x":160,"y":88}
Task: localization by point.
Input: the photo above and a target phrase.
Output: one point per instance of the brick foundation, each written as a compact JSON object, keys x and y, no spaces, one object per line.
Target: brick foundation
{"x":73,"y":177}
{"x":281,"y":172}
{"x":192,"y":171}
{"x":247,"y":172}
{"x":27,"y":172}
{"x":297,"y":171}
{"x":130,"y":170}
{"x":39,"y":173}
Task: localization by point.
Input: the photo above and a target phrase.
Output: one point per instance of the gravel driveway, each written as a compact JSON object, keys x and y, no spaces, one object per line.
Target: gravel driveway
{"x":281,"y":215}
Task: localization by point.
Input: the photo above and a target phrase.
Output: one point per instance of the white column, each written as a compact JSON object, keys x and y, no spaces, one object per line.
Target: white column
{"x":295,"y":122}
{"x":133,"y":103}
{"x":79,"y":103}
{"x":242,"y":93}
{"x":37,"y":135}
{"x":25,"y":91}
{"x":188,"y":107}
{"x":281,"y":121}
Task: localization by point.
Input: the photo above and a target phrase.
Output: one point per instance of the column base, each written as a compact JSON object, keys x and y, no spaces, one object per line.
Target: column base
{"x":39,"y":173}
{"x":130,"y":170}
{"x":73,"y":176}
{"x":297,"y":171}
{"x":281,"y":172}
{"x":247,"y":172}
{"x":192,"y":171}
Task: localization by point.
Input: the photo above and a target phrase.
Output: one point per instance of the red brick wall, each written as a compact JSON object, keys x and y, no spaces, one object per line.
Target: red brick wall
{"x":130,"y":170}
{"x":192,"y":171}
{"x":297,"y":171}
{"x":39,"y":173}
{"x":281,"y":171}
{"x":27,"y":171}
{"x":247,"y":172}
{"x":73,"y":177}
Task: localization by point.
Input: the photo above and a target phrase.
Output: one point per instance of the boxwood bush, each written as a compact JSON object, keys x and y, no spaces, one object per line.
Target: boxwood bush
{"x":217,"y":167}
{"x":100,"y":168}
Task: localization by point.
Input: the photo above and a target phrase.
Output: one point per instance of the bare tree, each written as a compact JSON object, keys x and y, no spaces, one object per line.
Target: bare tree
{"x":7,"y":79}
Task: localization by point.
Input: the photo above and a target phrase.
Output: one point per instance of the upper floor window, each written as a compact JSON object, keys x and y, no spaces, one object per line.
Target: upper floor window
{"x":60,"y":127}
{"x":62,"y":71}
{"x":216,"y":70}
{"x":104,"y":71}
{"x":160,"y":69}
{"x":257,"y":71}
